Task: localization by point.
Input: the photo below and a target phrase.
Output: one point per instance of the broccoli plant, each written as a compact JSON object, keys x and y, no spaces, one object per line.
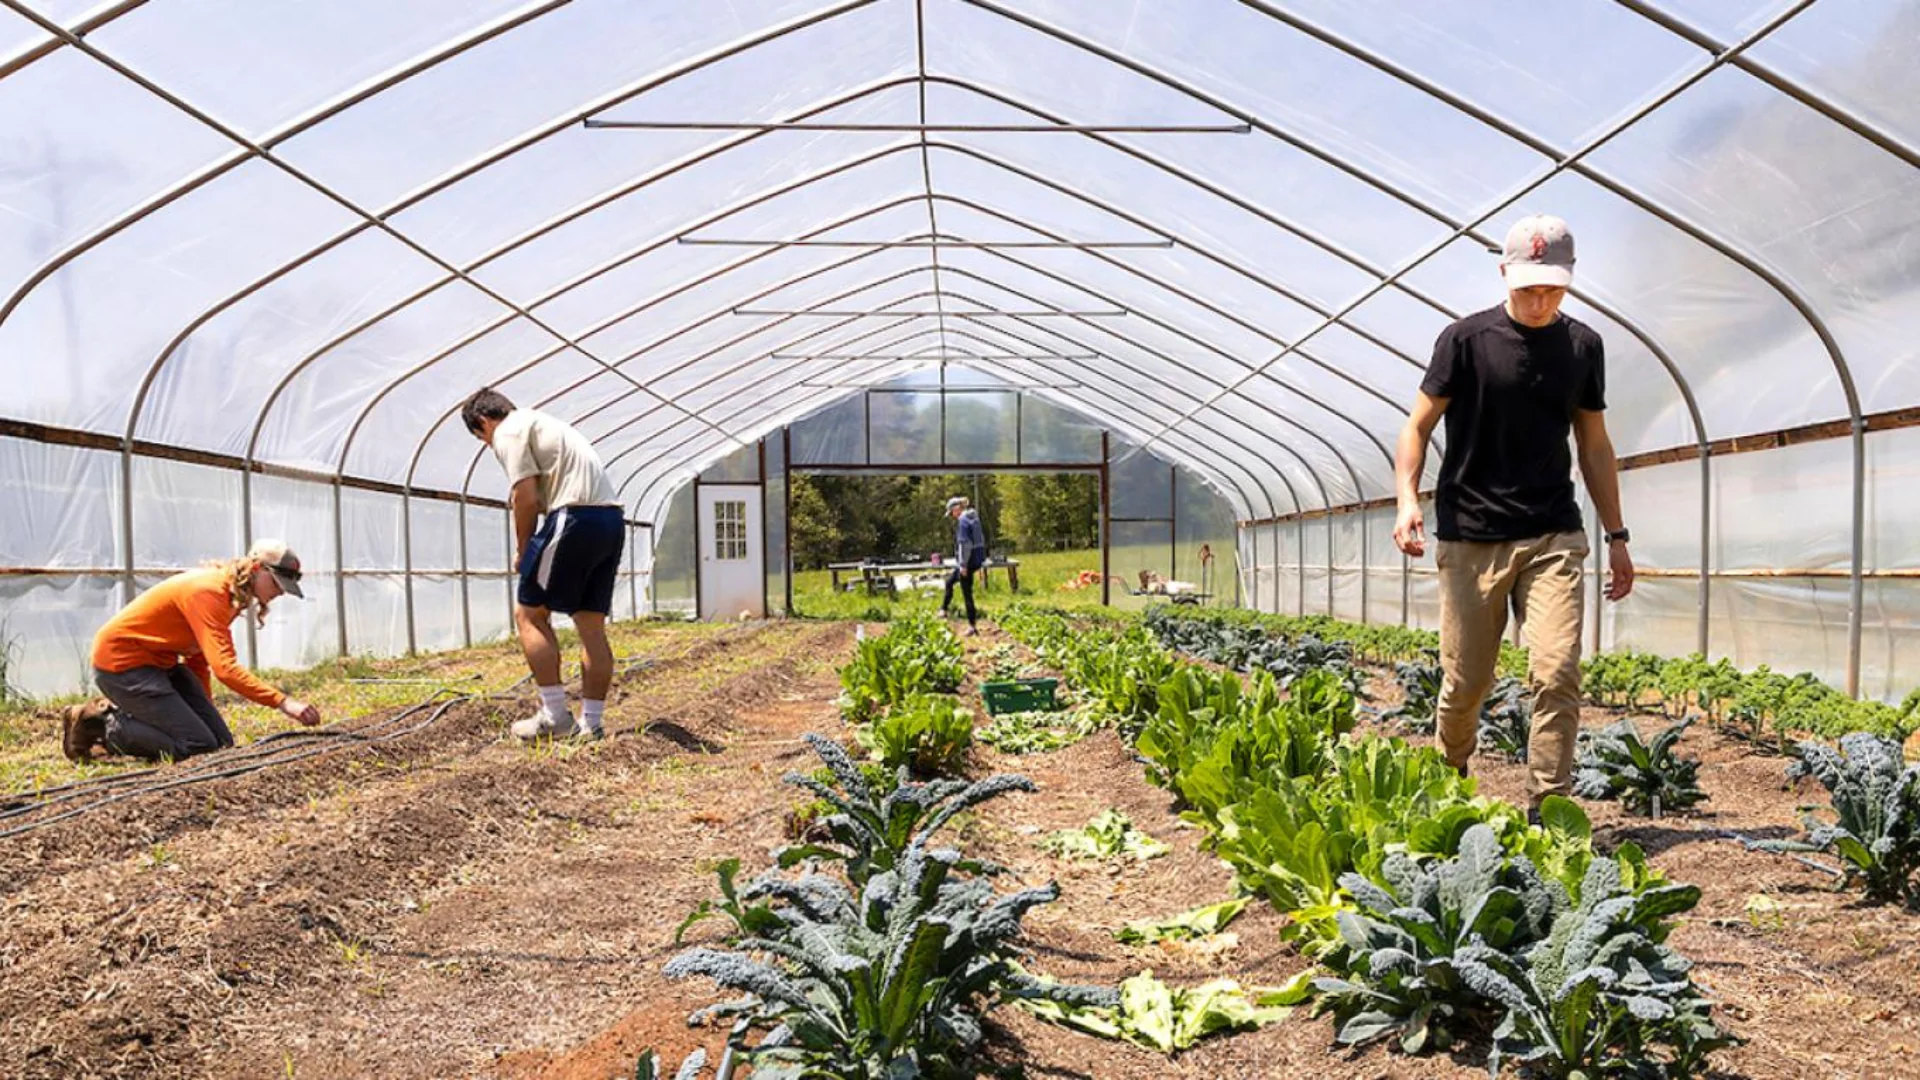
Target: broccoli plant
{"x":1875,"y":798}
{"x":1402,"y":940}
{"x":1648,"y":778}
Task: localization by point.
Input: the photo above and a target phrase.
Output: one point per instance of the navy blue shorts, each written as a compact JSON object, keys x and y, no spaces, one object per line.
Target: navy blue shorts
{"x":573,"y":560}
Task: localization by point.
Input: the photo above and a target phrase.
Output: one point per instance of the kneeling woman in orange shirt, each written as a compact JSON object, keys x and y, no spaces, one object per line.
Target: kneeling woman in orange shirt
{"x":157,"y":658}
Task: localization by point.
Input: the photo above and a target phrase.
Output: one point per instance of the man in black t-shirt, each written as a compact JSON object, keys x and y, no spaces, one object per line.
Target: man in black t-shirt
{"x":1512,"y":382}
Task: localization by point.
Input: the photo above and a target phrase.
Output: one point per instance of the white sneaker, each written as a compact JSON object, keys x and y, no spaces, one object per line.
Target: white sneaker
{"x":583,"y":733}
{"x":540,"y":725}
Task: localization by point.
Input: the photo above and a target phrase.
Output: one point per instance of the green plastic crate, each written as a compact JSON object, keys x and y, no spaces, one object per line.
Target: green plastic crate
{"x":1019,"y":695}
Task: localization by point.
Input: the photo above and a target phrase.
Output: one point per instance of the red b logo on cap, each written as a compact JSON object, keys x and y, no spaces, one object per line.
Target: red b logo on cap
{"x":1539,"y":247}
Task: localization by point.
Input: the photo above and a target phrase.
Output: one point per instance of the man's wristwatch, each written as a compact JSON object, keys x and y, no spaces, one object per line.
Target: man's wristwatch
{"x":1621,"y":534}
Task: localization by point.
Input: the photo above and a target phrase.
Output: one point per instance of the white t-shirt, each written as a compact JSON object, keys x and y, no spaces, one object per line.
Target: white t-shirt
{"x":531,"y":443}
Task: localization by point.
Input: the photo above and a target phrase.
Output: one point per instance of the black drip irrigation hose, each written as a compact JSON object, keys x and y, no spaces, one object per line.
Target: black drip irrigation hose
{"x":278,"y":748}
{"x":262,"y":762}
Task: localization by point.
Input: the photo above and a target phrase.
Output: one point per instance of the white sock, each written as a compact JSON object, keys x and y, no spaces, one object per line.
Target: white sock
{"x":554,"y":700}
{"x":590,"y":713}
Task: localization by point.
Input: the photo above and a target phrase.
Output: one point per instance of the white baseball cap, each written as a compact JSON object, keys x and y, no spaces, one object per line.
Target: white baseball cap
{"x":1538,"y":251}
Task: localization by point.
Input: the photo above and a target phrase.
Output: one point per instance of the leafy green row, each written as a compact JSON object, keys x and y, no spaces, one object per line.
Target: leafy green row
{"x":1372,"y":643}
{"x":1759,"y":703}
{"x":918,"y":654}
{"x":1762,"y":702}
{"x":1118,"y":668}
{"x":1335,"y":827}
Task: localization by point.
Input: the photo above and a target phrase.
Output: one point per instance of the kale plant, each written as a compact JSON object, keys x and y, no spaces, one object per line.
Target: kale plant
{"x":1647,"y":777}
{"x":1875,"y":800}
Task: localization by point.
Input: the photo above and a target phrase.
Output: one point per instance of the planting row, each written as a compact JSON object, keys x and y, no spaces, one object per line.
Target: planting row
{"x":866,"y":951}
{"x":1759,"y":703}
{"x":1872,"y":822}
{"x":1440,"y":915}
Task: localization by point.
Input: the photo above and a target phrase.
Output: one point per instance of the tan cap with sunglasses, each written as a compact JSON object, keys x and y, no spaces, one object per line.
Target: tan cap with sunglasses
{"x":281,"y":562}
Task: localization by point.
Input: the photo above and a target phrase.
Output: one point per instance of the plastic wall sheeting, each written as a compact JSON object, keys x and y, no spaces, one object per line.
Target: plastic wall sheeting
{"x":674,"y":553}
{"x":301,"y":633}
{"x":489,"y":581}
{"x":1138,"y":546}
{"x":779,"y":556}
{"x":1203,"y":525}
{"x":47,"y":624}
{"x":971,"y":418}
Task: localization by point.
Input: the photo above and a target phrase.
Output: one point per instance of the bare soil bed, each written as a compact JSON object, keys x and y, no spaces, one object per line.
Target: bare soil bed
{"x":454,"y":905}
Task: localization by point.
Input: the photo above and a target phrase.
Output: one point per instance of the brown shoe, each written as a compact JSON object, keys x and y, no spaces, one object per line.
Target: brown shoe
{"x":83,"y":727}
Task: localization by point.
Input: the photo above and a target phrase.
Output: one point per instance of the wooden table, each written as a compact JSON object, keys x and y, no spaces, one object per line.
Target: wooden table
{"x":878,"y":576}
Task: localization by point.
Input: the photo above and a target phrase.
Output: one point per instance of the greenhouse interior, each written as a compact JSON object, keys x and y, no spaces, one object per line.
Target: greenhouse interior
{"x":257,"y":258}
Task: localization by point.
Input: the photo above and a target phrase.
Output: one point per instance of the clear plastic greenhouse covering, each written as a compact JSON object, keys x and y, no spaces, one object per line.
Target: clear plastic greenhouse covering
{"x":252,"y":256}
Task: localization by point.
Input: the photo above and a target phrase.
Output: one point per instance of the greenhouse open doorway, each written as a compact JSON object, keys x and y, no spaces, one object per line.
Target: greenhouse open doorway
{"x":863,"y":540}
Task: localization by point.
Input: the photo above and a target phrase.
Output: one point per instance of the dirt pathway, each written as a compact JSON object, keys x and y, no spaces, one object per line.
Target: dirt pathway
{"x":416,"y":909}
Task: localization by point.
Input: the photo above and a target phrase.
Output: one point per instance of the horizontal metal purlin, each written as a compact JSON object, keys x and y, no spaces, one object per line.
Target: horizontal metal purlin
{"x":939,"y":467}
{"x":169,"y":571}
{"x":951,"y":358}
{"x":843,"y":314}
{"x":1891,"y":420}
{"x":93,"y":440}
{"x":703,"y":241}
{"x":1002,"y":389}
{"x":915,"y":129}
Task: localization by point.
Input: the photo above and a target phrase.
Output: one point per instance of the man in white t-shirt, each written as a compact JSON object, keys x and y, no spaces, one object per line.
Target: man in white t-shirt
{"x":569,"y":564}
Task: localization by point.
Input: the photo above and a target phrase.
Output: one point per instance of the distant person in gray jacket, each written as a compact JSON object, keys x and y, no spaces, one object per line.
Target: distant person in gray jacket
{"x":970,"y":554}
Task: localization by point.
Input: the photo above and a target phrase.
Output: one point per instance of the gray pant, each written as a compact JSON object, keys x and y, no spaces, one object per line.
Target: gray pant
{"x":160,"y":713}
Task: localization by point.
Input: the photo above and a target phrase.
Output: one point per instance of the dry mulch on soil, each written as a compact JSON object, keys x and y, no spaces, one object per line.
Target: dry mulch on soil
{"x":415,"y":909}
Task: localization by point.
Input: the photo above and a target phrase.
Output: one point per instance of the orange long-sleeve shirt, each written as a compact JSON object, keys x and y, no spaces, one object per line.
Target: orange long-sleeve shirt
{"x":186,"y":618}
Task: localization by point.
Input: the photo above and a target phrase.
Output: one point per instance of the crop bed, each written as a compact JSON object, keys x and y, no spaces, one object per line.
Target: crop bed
{"x":451,"y":904}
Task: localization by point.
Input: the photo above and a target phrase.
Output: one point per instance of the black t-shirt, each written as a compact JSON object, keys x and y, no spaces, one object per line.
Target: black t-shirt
{"x":1508,"y":472}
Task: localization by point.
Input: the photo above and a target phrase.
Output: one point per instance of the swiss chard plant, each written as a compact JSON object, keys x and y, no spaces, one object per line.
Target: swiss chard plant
{"x":1875,"y":803}
{"x":918,"y":654}
{"x":928,"y":734}
{"x":1648,"y":777}
{"x":1213,"y":741}
{"x":1291,"y":839}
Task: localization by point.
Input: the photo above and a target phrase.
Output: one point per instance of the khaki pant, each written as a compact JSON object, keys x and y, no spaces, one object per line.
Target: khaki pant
{"x":1540,"y":579}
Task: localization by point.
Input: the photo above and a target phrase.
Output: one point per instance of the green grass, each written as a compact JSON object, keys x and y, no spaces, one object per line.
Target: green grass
{"x":30,"y":731}
{"x":1041,"y":576}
